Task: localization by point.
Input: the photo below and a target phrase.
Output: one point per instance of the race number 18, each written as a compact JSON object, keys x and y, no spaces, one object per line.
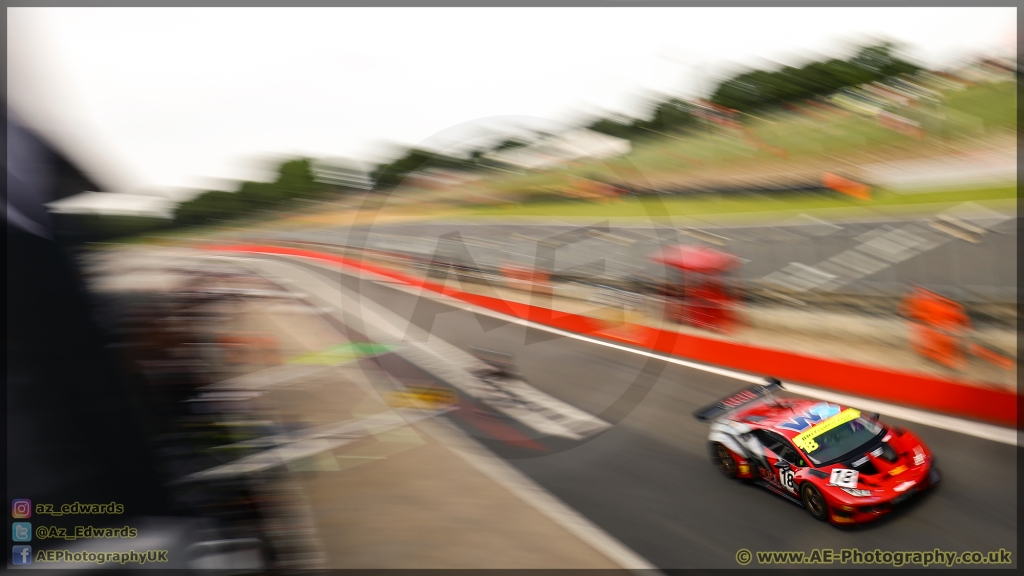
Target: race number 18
{"x":786,"y":479}
{"x":844,"y":478}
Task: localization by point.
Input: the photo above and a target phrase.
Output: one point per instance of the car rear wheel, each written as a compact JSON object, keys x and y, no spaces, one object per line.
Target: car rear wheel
{"x":814,"y":502}
{"x":724,"y":460}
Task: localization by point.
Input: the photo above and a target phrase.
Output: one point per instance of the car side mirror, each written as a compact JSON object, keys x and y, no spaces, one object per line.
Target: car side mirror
{"x":873,"y":416}
{"x":782,"y":465}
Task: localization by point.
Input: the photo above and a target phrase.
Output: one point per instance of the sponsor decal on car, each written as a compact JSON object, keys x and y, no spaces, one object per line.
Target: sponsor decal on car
{"x":811,"y":416}
{"x":805,"y":440}
{"x":738,"y":399}
{"x":902,"y":487}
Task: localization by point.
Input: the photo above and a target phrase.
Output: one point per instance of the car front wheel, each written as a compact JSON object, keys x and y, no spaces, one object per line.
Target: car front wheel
{"x":814,"y":502}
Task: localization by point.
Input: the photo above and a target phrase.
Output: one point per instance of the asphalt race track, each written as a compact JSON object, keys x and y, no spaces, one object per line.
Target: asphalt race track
{"x":648,"y":481}
{"x":972,"y":271}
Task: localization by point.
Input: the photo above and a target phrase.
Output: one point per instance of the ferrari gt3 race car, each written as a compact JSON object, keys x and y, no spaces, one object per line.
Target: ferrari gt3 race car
{"x":843,"y":465}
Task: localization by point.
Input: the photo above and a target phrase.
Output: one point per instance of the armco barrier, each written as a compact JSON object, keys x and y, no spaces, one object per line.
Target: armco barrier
{"x":903,"y":388}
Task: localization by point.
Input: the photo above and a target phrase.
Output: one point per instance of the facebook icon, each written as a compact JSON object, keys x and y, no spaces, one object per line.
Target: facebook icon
{"x":22,"y":555}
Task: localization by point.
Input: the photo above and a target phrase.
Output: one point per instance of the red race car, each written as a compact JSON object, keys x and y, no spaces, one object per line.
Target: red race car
{"x":842,"y":465}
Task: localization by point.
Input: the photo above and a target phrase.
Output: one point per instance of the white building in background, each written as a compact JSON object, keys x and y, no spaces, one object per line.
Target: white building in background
{"x":342,"y":172}
{"x":980,"y":169}
{"x":115,"y":204}
{"x":435,"y":179}
{"x":561,"y":148}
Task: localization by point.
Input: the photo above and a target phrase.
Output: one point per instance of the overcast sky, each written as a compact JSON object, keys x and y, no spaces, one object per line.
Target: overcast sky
{"x":150,"y":99}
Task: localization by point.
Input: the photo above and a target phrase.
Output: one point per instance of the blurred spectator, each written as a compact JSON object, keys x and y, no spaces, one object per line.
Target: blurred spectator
{"x":72,"y":427}
{"x":938,"y":326}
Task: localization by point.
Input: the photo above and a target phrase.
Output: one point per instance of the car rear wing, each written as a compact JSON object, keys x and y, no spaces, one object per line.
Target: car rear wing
{"x":737,"y":400}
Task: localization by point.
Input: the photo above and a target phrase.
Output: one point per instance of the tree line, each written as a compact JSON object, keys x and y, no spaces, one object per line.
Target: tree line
{"x":294,"y":179}
{"x":749,"y":92}
{"x":757,"y":91}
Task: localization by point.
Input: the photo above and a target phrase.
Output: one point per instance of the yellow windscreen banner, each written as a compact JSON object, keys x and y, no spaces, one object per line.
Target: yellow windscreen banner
{"x":806,"y":441}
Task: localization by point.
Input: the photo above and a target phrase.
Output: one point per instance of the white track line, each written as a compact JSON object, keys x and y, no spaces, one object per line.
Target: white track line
{"x":510,"y":478}
{"x":507,"y":476}
{"x":969,"y":427}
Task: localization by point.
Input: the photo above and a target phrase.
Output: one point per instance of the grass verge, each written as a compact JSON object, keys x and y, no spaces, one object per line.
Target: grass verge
{"x":677,"y":206}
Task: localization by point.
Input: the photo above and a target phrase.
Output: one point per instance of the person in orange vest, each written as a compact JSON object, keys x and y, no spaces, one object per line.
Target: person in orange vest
{"x":938,"y":326}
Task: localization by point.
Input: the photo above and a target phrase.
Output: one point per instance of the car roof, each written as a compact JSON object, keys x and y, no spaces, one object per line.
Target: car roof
{"x":768,"y":415}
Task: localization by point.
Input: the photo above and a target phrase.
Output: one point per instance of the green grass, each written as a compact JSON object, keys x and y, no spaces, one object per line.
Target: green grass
{"x":677,"y":206}
{"x":994,"y":104}
{"x":967,"y":112}
{"x":341,"y":354}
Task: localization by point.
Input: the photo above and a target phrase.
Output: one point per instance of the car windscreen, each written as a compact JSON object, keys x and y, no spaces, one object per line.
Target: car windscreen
{"x":845,"y":439}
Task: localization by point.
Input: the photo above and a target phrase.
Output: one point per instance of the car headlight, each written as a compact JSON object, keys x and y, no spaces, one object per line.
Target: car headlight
{"x":919,"y":456}
{"x":857,"y":492}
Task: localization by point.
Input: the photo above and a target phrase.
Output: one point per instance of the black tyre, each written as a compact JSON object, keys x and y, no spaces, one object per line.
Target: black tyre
{"x":724,"y":460}
{"x":814,"y":502}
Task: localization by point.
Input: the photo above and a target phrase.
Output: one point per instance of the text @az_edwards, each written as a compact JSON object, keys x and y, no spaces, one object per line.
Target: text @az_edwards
{"x":79,"y":508}
{"x":76,"y":532}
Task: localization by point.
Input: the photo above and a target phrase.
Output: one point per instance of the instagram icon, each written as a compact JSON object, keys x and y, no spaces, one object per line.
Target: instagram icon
{"x":21,"y":508}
